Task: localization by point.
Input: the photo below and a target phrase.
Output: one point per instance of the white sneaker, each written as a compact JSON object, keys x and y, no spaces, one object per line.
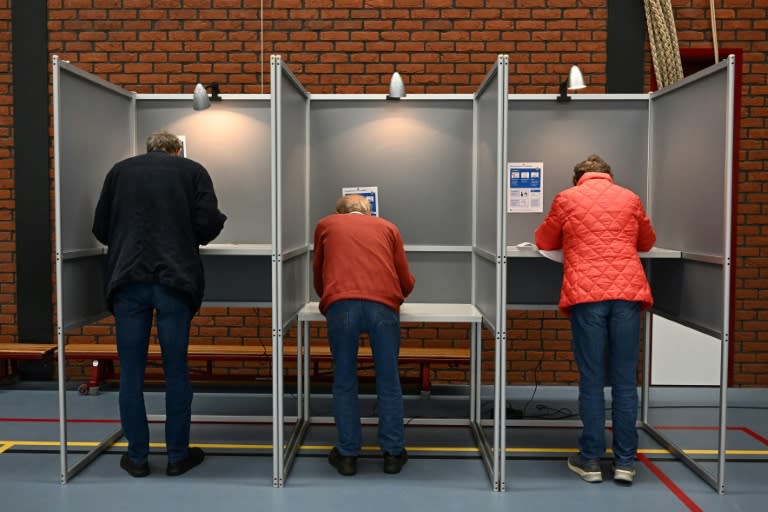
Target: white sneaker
{"x":624,"y":474}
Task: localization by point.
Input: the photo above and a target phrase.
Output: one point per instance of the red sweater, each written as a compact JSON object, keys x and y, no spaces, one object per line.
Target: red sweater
{"x":360,"y":257}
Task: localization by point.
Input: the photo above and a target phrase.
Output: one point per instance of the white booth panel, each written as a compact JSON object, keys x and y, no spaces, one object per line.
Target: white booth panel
{"x":681,"y":356}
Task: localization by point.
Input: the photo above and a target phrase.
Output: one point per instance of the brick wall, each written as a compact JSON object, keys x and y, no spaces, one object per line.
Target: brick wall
{"x":439,"y":46}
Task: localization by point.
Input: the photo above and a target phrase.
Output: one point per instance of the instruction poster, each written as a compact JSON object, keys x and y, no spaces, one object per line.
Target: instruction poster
{"x":525,"y":193}
{"x":370,"y":193}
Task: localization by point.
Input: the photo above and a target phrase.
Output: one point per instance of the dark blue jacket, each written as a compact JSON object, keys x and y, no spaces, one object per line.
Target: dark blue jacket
{"x":154,"y":212}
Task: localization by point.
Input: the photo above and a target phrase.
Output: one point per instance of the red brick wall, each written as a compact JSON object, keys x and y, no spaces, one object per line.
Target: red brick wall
{"x":439,"y":46}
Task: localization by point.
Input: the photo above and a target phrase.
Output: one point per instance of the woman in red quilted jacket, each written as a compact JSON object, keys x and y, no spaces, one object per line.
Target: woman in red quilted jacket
{"x":600,"y":227}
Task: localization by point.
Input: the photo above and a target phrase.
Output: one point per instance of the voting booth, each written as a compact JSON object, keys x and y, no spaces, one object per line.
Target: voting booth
{"x":97,"y":124}
{"x":673,"y":148}
{"x":466,"y":178}
{"x":436,"y":161}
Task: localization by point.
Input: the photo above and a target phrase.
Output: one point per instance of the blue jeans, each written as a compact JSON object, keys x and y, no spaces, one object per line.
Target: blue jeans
{"x":347,"y":319}
{"x":134,"y":305}
{"x":607,"y":332}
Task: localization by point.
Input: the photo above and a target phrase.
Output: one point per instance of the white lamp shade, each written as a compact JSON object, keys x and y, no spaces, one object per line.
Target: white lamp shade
{"x":396,"y":86}
{"x":200,"y":100}
{"x":575,"y":78}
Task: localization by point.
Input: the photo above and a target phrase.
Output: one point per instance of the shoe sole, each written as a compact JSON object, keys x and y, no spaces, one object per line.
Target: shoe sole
{"x":592,"y":477}
{"x":337,"y":465}
{"x":624,"y":475}
{"x":394,"y":471}
{"x":180,"y":471}
{"x":343,"y":473}
{"x":131,"y":470}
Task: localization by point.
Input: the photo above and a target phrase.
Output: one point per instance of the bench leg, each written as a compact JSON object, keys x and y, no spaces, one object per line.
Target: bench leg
{"x":426,"y":382}
{"x":92,"y":387}
{"x":9,"y":371}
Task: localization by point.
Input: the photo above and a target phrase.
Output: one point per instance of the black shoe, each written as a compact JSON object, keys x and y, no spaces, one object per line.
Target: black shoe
{"x":394,"y":463}
{"x":588,"y":470}
{"x":194,"y":457}
{"x":345,"y":464}
{"x":133,"y":469}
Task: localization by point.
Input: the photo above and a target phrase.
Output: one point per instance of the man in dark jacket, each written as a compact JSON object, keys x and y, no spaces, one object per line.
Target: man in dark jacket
{"x":154,"y":212}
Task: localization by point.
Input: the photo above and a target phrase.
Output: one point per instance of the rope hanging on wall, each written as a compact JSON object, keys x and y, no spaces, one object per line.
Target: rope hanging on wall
{"x":662,"y":36}
{"x":713,"y":18}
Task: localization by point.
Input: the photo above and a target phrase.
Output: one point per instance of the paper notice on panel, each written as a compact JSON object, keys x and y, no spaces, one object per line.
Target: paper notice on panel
{"x":525,"y":192}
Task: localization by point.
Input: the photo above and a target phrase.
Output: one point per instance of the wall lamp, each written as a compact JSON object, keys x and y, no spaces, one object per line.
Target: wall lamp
{"x":575,"y":81}
{"x":200,"y":99}
{"x":396,"y":87}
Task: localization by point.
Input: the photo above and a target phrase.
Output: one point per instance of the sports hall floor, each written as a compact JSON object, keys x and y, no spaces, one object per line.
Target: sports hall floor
{"x":444,"y":473}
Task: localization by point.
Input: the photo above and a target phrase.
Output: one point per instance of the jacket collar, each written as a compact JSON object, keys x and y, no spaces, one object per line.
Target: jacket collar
{"x":594,"y":176}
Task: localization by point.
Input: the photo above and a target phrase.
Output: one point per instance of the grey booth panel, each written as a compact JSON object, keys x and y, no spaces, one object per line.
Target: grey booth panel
{"x":689,"y":292}
{"x":487,"y":218}
{"x":486,"y":289}
{"x":83,"y":291}
{"x":293,"y":166}
{"x":232,"y":140}
{"x":94,"y":133}
{"x":418,"y":152}
{"x":295,"y":285}
{"x":563,"y":135}
{"x":237,"y":278}
{"x":441,"y":277}
{"x":688,"y":160}
{"x":534,"y":281}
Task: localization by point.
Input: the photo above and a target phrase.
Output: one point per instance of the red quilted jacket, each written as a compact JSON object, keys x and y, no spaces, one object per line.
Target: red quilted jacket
{"x":600,"y":227}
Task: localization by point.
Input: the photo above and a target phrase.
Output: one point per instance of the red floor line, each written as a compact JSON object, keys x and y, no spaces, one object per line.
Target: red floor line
{"x":688,"y":502}
{"x":754,"y":434}
{"x":685,"y":427}
{"x":55,"y":420}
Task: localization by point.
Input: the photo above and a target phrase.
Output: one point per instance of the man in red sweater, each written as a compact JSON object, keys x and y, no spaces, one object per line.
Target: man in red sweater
{"x":361,"y":276}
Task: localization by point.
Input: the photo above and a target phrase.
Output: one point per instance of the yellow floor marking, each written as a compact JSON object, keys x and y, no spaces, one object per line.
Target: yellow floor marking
{"x":5,"y":445}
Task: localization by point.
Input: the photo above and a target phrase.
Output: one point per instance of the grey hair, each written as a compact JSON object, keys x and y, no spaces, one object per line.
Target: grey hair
{"x":593,"y":163}
{"x":163,"y":141}
{"x":353,"y":203}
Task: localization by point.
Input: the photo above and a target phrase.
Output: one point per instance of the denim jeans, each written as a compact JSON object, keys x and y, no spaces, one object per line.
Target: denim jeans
{"x":347,"y":319}
{"x":607,"y":335}
{"x":134,"y":305}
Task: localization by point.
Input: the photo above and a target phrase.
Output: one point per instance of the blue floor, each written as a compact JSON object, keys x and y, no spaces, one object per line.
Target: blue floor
{"x":444,"y":472}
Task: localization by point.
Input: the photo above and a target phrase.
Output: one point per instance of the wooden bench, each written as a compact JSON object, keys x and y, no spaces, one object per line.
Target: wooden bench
{"x":10,"y":353}
{"x":103,"y":356}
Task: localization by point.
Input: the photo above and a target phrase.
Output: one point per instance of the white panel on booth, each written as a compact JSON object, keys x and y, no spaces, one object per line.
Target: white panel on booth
{"x":681,"y":356}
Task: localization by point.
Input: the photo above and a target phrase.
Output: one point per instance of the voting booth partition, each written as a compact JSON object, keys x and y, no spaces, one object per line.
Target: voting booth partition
{"x":97,"y":124}
{"x":437,"y":162}
{"x":673,"y":148}
{"x":440,"y":164}
{"x":291,"y":253}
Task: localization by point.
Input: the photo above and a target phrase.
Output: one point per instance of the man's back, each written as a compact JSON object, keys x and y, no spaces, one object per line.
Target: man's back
{"x":360,"y":257}
{"x":154,"y":211}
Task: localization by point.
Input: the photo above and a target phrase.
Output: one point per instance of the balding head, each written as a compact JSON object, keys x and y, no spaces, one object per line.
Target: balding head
{"x":353,"y":203}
